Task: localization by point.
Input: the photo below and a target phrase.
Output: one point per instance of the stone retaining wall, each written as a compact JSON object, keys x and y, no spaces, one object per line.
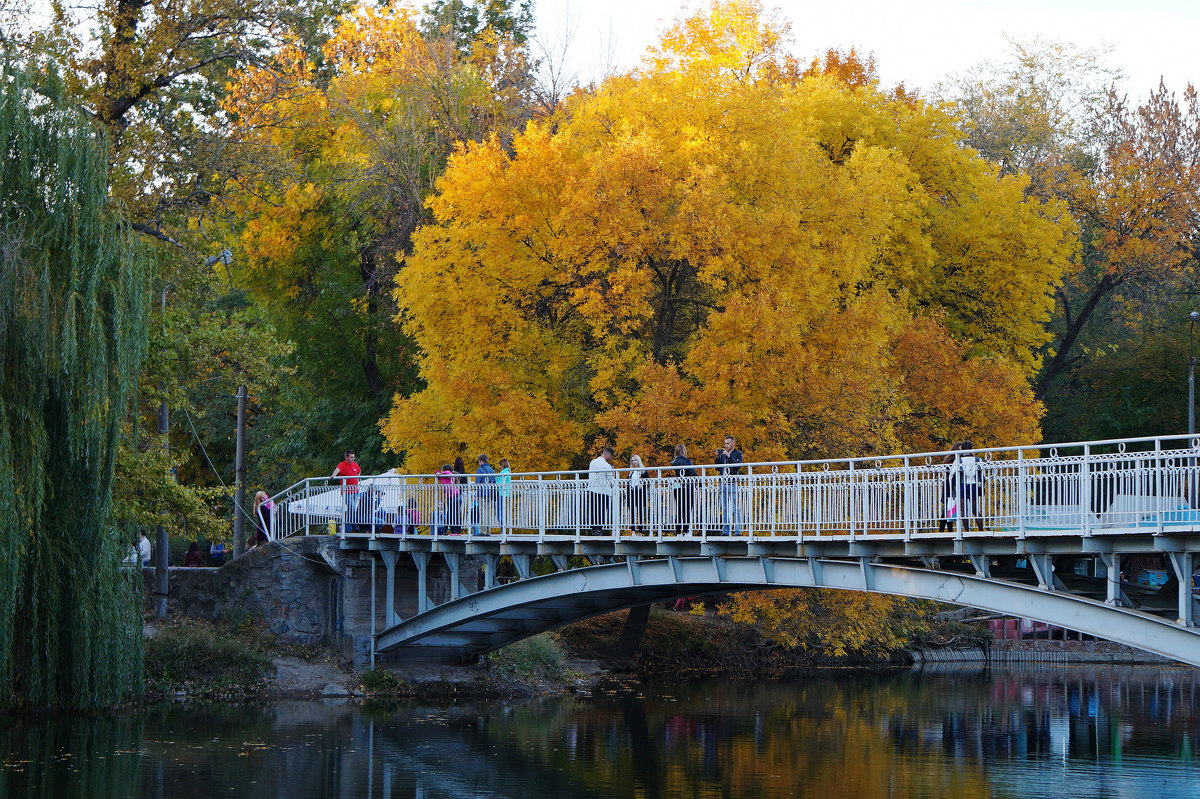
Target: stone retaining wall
{"x":306,"y":591}
{"x":1037,"y":651}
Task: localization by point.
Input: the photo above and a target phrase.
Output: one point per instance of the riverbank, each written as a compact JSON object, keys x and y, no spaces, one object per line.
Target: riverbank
{"x":193,"y":660}
{"x":196,"y":660}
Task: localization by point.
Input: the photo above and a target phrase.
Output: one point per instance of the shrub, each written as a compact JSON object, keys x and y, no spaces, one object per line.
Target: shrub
{"x":383,"y":682}
{"x":201,"y":658}
{"x":538,"y":658}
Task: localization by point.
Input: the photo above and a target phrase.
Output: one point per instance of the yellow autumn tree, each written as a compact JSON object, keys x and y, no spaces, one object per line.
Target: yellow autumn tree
{"x":715,"y":243}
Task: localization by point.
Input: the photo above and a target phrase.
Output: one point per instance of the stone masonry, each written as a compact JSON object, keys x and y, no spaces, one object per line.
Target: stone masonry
{"x":305,"y":590}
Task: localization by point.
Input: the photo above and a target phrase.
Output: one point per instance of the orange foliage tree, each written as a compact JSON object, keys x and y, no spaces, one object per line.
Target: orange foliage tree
{"x":830,"y":622}
{"x":716,"y":243}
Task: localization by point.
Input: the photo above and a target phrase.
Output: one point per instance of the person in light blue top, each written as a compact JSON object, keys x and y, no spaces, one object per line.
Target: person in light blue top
{"x":504,"y":481}
{"x":485,"y":494}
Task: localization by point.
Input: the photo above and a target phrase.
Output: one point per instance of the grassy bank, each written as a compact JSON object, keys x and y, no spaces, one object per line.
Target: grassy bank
{"x":203,"y":660}
{"x":238,"y":662}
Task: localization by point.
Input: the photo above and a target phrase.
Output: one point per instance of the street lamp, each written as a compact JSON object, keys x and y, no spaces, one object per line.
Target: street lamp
{"x":1193,"y":318}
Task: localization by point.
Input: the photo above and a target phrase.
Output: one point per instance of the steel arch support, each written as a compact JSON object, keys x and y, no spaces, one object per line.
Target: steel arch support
{"x":570,"y":596}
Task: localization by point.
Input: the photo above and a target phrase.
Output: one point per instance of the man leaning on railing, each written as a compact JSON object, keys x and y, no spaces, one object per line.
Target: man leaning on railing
{"x":731,"y":511}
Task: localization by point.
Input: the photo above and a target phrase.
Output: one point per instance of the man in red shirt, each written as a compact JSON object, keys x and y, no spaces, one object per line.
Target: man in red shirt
{"x":349,"y":470}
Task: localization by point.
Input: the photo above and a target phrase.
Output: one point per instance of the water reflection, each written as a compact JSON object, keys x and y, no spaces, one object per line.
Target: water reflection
{"x":1056,"y":732}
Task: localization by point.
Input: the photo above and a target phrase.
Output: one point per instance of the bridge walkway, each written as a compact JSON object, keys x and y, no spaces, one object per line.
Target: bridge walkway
{"x":1048,"y":531}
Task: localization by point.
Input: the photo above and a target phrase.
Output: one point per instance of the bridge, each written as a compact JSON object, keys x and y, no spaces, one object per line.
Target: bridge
{"x":1098,"y":537}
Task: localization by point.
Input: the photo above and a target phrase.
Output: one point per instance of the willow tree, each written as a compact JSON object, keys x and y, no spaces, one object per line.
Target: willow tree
{"x":72,"y":336}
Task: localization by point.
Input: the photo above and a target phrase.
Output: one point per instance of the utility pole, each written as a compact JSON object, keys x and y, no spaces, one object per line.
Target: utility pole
{"x":162,"y":555}
{"x":239,"y":476}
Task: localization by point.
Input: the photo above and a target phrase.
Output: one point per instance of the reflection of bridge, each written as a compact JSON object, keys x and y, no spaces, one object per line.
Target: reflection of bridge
{"x":1064,"y":529}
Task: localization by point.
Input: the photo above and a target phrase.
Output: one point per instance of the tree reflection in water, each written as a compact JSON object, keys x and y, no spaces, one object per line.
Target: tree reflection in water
{"x":1050,"y":732}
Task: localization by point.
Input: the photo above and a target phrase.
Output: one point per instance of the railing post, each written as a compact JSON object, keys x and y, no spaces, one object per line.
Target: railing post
{"x":504,"y":506}
{"x":746,"y":519}
{"x":959,"y":497}
{"x":908,"y":499}
{"x":818,"y":502}
{"x":307,"y":505}
{"x":370,"y":497}
{"x":850,"y":503}
{"x":541,"y":508}
{"x":614,"y":505}
{"x":1085,"y":489}
{"x":579,"y":488}
{"x":1023,"y":491}
{"x":1158,"y":487}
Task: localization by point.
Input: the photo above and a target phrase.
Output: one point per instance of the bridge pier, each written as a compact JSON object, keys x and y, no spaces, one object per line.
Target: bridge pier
{"x":454,"y":561}
{"x":389,"y":596}
{"x":1181,"y":563}
{"x":422,"y":561}
{"x":1113,"y":594}
{"x":1043,"y":567}
{"x":523,"y":565}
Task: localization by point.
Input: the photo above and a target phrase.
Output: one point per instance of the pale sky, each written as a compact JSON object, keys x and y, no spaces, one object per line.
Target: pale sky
{"x":918,"y":42}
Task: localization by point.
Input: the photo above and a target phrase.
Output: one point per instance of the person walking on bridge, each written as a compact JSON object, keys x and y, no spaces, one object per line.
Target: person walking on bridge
{"x":485,"y":495}
{"x":729,"y":466}
{"x":600,"y":484}
{"x":349,"y":470}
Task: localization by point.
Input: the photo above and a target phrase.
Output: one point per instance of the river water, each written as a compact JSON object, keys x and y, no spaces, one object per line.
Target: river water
{"x":1040,"y":732}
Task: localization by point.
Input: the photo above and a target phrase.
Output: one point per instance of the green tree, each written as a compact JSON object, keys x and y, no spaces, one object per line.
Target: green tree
{"x":1130,"y":175}
{"x":466,"y":21}
{"x":356,"y":143}
{"x":72,"y":337}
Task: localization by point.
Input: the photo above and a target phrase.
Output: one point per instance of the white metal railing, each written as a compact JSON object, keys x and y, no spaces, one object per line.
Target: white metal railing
{"x":1118,"y":486}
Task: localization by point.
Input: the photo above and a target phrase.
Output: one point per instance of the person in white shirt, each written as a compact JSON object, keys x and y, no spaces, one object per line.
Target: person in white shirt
{"x":144,"y":549}
{"x":600,"y":485}
{"x":968,"y":470}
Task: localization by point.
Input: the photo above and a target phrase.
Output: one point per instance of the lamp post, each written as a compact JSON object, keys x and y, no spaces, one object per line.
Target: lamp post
{"x":162,"y":560}
{"x":1193,"y":318}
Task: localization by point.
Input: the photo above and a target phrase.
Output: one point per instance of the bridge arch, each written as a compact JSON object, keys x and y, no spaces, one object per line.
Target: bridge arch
{"x":460,"y":630}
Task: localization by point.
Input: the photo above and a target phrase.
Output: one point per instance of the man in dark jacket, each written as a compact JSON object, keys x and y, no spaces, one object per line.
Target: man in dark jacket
{"x":731,"y":511}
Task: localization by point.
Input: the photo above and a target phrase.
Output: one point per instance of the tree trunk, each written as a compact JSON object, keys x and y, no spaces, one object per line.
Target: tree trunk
{"x":622,"y":652}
